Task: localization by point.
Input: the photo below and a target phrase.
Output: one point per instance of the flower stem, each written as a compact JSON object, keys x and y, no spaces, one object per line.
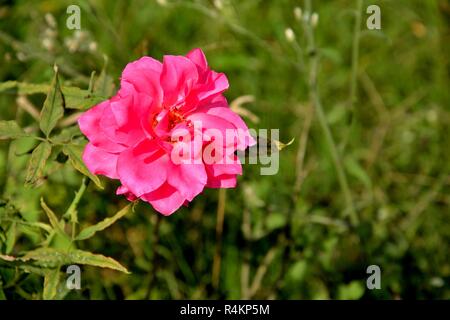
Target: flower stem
{"x":72,"y":210}
{"x":219,"y":231}
{"x":315,"y":99}
{"x":354,"y":74}
{"x":155,"y":256}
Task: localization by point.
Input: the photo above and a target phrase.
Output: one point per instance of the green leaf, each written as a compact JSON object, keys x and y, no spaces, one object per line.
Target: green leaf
{"x":7,"y":85}
{"x":97,"y":260}
{"x":76,"y":98}
{"x":46,"y":257}
{"x":54,"y":258}
{"x":51,"y":281}
{"x":91,"y":230}
{"x":32,"y":88}
{"x":275,"y":220}
{"x":104,"y":84}
{"x":297,"y":271}
{"x":52,"y":218}
{"x":354,"y":169}
{"x":74,"y":153}
{"x":11,"y":238}
{"x":36,"y":164}
{"x":53,"y":109}
{"x":67,"y":135}
{"x":352,"y":291}
{"x":11,"y":130}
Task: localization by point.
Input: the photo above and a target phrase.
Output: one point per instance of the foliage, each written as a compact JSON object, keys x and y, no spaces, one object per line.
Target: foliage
{"x":289,"y":235}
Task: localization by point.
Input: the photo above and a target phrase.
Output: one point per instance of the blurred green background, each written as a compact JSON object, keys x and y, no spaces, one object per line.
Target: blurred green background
{"x":284,"y":236}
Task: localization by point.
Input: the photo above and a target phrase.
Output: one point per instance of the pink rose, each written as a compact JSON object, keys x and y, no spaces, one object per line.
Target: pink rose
{"x":168,"y":133}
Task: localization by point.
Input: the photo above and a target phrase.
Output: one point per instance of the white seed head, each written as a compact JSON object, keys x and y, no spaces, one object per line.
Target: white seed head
{"x":162,"y":2}
{"x":50,"y":33}
{"x":21,"y":56}
{"x":80,"y":35}
{"x":289,"y":34}
{"x":218,"y":4}
{"x":93,"y":46}
{"x":71,"y":45}
{"x":47,"y":43}
{"x":50,"y":19}
{"x":314,"y":19}
{"x":298,"y":13}
{"x":306,"y":17}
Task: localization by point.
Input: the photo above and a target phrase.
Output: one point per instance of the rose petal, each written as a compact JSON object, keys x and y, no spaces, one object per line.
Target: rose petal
{"x":89,"y":123}
{"x":223,"y":181}
{"x":101,"y":162}
{"x":143,"y":168}
{"x":166,"y":199}
{"x":178,"y":76}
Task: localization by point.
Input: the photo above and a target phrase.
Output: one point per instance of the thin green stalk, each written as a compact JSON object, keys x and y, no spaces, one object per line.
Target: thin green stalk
{"x":155,"y":258}
{"x":4,"y":176}
{"x":72,"y":210}
{"x":354,"y":74}
{"x":219,"y":231}
{"x":315,"y":99}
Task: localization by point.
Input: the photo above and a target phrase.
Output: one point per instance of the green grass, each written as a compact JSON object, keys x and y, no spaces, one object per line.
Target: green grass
{"x":285,"y":236}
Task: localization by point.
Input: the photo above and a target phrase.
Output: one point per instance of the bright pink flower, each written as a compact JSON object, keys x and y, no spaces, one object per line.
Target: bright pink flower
{"x":164,"y":135}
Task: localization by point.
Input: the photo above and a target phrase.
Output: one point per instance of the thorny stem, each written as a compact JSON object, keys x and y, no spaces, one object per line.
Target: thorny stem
{"x":354,"y":74}
{"x":315,"y":99}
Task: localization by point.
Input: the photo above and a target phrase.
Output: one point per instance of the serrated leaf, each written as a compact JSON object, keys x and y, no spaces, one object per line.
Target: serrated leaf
{"x":32,"y":88}
{"x":11,"y":130}
{"x":67,"y":135}
{"x":74,"y":152}
{"x":88,"y":232}
{"x":53,"y":108}
{"x":46,"y":257}
{"x":52,"y":218}
{"x":53,"y":258}
{"x":36,"y":164}
{"x":51,"y":281}
{"x":104,"y":84}
{"x":97,"y":260}
{"x":76,"y":98}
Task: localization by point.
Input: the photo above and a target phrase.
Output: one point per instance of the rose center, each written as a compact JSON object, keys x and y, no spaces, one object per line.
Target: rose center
{"x":175,"y":118}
